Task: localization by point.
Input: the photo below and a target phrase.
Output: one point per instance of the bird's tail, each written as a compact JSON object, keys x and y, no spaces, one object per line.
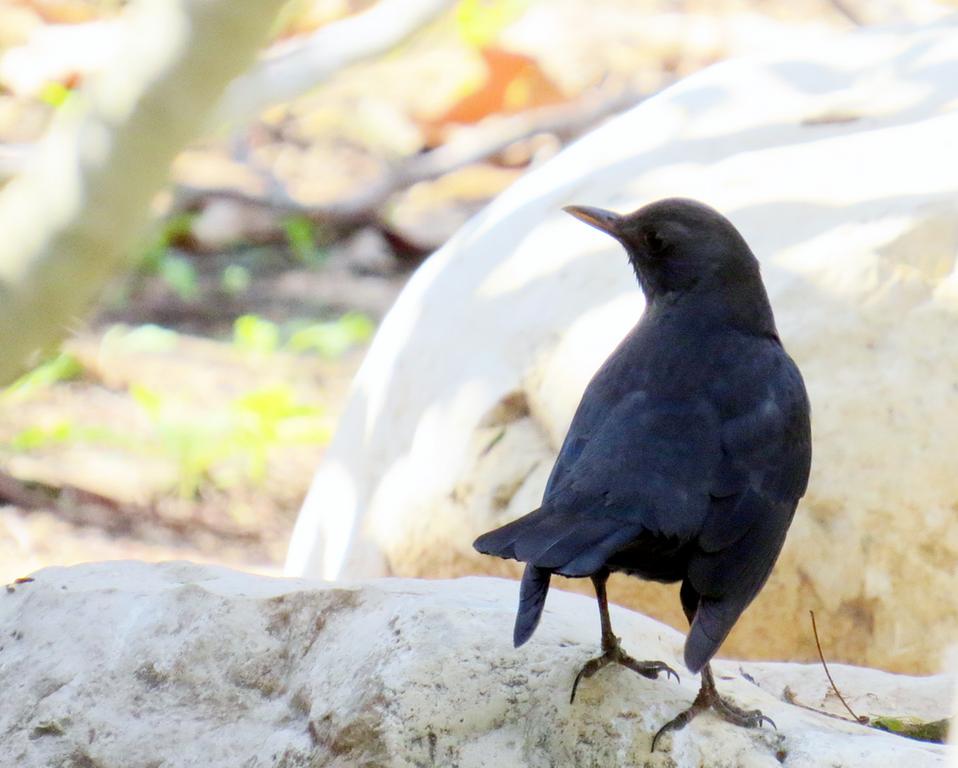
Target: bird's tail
{"x":712,"y":623}
{"x":532,"y":599}
{"x":524,"y":534}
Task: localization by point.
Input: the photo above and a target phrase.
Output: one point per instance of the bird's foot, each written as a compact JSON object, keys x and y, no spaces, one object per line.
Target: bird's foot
{"x":708,"y":698}
{"x":612,"y":653}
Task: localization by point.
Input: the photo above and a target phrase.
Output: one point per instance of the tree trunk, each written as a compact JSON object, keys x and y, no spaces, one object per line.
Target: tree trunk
{"x":68,"y":223}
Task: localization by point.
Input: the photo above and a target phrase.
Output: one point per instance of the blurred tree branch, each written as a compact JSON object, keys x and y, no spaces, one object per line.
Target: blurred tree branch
{"x":295,"y":67}
{"x":470,"y":144}
{"x":282,"y":73}
{"x":69,"y":220}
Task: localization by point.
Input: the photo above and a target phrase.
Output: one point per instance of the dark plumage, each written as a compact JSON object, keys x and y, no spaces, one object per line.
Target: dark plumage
{"x":689,"y":450}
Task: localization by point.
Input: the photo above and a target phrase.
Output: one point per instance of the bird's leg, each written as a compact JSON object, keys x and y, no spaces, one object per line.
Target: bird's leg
{"x":612,"y":652}
{"x":708,"y":698}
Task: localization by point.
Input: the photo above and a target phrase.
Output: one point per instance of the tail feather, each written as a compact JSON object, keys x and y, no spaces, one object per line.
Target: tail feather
{"x":501,"y":542}
{"x":559,"y":541}
{"x":713,"y":621}
{"x":532,"y":599}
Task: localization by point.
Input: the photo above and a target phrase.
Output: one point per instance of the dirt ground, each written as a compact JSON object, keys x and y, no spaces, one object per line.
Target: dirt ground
{"x":95,"y":496}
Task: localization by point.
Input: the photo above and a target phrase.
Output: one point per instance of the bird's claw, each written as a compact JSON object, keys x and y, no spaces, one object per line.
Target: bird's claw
{"x":650,"y":669}
{"x":746,"y":718}
{"x":677,"y":723}
{"x":613,"y":654}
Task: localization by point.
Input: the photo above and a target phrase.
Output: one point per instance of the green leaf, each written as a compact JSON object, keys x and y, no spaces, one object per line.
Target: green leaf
{"x":255,"y":334}
{"x":62,"y":367}
{"x":55,"y":94}
{"x":147,"y":399}
{"x":334,"y":338}
{"x":35,"y":437}
{"x":180,"y":274}
{"x":301,"y":236}
{"x":480,"y":22}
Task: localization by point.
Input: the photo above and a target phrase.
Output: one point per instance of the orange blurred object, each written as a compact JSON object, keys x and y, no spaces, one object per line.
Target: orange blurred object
{"x":514,"y":82}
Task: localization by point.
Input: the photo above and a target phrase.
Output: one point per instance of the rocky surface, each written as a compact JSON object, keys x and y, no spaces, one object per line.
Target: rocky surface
{"x":129,"y":665}
{"x":831,"y":160}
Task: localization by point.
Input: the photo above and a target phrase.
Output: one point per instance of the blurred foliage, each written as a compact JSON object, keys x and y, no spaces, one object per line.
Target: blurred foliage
{"x":158,"y":258}
{"x":229,"y":444}
{"x":38,"y":437}
{"x":252,"y":333}
{"x":66,"y":431}
{"x":222,"y":445}
{"x":179,"y":273}
{"x":935,"y":731}
{"x":330,"y":339}
{"x":55,"y":94}
{"x":61,"y":367}
{"x":480,"y":22}
{"x":235,"y":280}
{"x":301,"y":236}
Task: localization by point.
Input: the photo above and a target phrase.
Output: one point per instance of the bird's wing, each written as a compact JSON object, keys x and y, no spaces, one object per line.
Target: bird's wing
{"x":644,"y":472}
{"x":765,"y":448}
{"x":766,"y":456}
{"x":652,"y":459}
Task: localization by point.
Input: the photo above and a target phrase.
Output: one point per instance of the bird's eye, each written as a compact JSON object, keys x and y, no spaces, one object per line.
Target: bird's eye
{"x":654,"y":241}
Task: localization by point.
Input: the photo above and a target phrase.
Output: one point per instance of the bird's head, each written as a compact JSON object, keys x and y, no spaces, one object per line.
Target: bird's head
{"x":678,"y":246}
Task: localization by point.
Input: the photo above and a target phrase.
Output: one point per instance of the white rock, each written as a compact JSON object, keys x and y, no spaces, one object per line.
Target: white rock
{"x":837,"y":164}
{"x":124,"y":664}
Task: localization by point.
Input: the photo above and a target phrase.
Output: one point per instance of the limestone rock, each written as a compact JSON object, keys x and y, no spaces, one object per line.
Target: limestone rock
{"x":834,"y":163}
{"x":128,"y":665}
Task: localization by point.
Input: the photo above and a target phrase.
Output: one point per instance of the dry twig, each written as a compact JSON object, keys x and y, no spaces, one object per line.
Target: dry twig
{"x":821,"y":656}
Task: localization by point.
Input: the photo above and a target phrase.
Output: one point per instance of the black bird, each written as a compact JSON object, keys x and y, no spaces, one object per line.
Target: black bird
{"x":688,"y":453}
